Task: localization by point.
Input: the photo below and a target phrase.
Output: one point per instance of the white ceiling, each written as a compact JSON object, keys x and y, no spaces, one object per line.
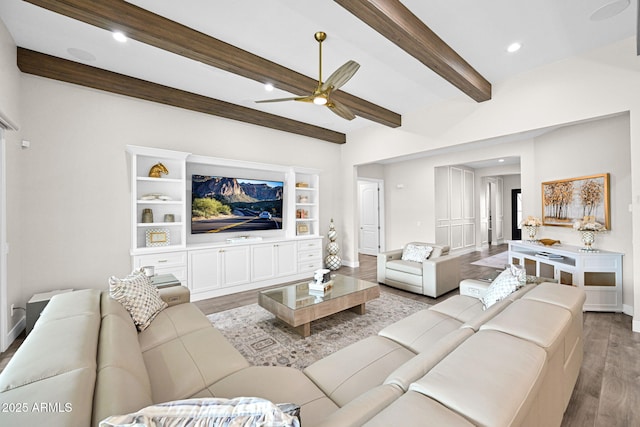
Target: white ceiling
{"x":282,"y":31}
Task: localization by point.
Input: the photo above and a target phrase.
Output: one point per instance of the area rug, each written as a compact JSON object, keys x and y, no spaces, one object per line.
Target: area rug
{"x":266,"y":341}
{"x":495,"y":261}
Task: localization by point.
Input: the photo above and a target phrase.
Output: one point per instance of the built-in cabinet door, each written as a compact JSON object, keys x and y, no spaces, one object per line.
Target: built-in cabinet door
{"x":286,"y":258}
{"x":273,"y":260}
{"x":236,"y":265}
{"x":264,"y":262}
{"x":204,"y":270}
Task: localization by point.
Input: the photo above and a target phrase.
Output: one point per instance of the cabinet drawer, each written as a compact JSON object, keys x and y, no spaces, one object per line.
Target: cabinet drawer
{"x":309,"y":255}
{"x":161,"y":260}
{"x":307,"y":245}
{"x":309,"y":266}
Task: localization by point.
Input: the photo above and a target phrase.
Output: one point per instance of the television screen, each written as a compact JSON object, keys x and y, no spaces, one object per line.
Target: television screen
{"x":220,"y":204}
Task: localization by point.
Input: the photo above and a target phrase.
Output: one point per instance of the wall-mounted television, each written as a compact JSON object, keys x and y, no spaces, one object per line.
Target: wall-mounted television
{"x":226,"y":204}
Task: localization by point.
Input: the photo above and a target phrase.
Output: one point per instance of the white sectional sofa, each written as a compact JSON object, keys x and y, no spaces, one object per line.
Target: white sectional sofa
{"x":454,"y":364}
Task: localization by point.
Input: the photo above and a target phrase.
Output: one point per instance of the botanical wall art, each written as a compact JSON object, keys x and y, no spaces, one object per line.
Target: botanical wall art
{"x":568,"y":200}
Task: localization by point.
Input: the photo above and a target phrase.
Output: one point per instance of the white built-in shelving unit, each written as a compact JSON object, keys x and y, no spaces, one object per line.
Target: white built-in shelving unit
{"x":213,"y":265}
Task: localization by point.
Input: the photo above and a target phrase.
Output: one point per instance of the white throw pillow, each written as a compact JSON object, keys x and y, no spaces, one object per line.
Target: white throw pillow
{"x":138,"y":295}
{"x":501,"y":287}
{"x":238,"y":412}
{"x":416,"y":253}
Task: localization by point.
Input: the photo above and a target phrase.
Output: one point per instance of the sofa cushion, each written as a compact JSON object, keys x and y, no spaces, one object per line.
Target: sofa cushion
{"x":492,"y":379}
{"x":181,"y":367}
{"x":416,"y":253}
{"x":420,"y":330}
{"x":413,"y":409}
{"x":55,"y":365}
{"x":277,"y":384}
{"x":541,"y":323}
{"x":138,"y":295}
{"x":422,"y":363}
{"x":241,"y":411}
{"x":353,"y":370}
{"x":410,"y":267}
{"x":122,"y":383}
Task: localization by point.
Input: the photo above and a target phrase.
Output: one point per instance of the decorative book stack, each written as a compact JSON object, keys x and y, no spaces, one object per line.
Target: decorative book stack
{"x":322,"y":282}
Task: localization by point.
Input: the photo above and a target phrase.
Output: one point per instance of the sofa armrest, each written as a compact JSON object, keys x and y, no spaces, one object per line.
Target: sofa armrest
{"x":175,"y":295}
{"x":383,"y":258}
{"x":440,"y":275}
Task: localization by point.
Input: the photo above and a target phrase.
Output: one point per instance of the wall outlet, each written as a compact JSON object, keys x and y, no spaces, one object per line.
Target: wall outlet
{"x":12,"y":308}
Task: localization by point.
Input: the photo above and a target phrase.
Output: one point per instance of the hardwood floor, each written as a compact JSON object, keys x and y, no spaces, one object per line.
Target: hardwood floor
{"x":607,"y":393}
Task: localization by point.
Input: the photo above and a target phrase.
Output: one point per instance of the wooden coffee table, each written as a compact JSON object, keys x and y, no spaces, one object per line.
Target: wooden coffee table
{"x":296,"y":307}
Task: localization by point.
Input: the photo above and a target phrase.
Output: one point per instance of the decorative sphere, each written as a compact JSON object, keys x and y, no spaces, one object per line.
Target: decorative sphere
{"x":333,"y":262}
{"x":333,"y":248}
{"x":332,"y":234}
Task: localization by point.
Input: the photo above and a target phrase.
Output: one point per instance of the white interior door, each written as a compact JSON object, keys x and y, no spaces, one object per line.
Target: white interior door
{"x":369,"y":208}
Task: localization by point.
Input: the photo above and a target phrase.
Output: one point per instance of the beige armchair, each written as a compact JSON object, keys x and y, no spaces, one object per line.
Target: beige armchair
{"x":437,"y":275}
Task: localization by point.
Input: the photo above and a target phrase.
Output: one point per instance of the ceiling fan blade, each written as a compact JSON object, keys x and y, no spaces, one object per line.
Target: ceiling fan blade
{"x":340,"y":76}
{"x":293,"y":98}
{"x":341,"y":110}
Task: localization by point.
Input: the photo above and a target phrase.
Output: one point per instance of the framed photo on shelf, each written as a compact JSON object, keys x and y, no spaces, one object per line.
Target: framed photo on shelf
{"x":157,"y":237}
{"x":302,"y":229}
{"x":569,"y":200}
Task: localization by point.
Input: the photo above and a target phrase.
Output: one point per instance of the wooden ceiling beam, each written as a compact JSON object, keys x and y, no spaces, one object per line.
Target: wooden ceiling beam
{"x":398,"y":24}
{"x":146,"y":27}
{"x":52,"y":67}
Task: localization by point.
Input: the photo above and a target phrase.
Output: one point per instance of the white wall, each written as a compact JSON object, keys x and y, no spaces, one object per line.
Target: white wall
{"x":75,"y":177}
{"x":10,"y":106}
{"x":592,"y":85}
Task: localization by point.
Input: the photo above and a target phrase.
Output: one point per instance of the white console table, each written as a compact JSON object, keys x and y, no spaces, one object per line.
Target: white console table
{"x":598,"y":273}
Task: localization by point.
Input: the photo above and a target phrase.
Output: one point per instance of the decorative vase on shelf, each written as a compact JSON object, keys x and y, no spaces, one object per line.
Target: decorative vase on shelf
{"x":332,"y":260}
{"x":531,"y":230}
{"x":588,"y":237}
{"x":530,"y":224}
{"x":588,"y":228}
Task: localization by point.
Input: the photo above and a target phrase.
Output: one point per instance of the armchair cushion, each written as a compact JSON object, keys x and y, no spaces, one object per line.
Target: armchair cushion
{"x":416,"y":253}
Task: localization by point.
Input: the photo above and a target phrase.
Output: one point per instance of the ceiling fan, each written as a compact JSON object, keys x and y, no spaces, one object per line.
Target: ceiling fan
{"x":322,"y":93}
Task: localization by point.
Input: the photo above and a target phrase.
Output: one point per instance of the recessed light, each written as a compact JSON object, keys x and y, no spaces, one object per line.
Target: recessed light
{"x":500,"y":160}
{"x":80,"y":54}
{"x":119,"y":36}
{"x":609,"y":10}
{"x":268,"y":87}
{"x":514,"y":47}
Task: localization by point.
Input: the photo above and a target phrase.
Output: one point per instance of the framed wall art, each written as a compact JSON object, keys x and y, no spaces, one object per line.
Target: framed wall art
{"x":157,"y":237}
{"x":569,"y":200}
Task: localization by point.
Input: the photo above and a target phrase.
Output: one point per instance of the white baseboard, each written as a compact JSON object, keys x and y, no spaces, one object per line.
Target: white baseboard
{"x":16,"y":330}
{"x":352,"y":264}
{"x":635,"y":326}
{"x":627,"y":309}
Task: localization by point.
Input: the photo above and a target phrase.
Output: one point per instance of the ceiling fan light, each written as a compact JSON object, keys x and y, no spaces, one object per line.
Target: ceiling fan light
{"x":320,"y":100}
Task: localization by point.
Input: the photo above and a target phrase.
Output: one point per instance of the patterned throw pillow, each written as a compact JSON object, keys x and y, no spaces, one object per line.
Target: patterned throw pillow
{"x":141,"y":299}
{"x":416,"y":253}
{"x":238,"y":412}
{"x":501,"y":287}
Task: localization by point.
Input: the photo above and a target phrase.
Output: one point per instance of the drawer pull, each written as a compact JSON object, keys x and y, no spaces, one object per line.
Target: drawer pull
{"x":160,"y":261}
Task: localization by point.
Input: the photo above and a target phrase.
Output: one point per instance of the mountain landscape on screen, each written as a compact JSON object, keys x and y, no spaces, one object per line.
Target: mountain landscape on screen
{"x":224,"y":204}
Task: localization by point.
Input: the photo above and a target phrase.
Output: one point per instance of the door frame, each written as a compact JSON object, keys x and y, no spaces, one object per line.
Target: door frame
{"x":516,"y":231}
{"x":381,"y":223}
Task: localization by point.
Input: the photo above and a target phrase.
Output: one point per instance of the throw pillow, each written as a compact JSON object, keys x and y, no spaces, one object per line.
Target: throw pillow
{"x":138,"y":295}
{"x":237,"y":412}
{"x":501,"y":287}
{"x":416,"y":253}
